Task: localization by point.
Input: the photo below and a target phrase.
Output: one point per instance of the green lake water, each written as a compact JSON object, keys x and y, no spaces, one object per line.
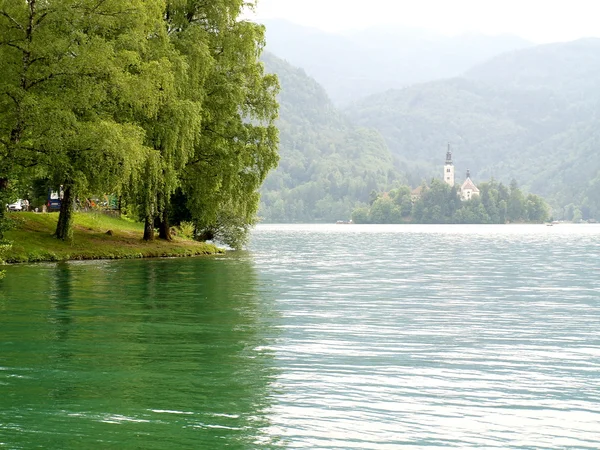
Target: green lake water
{"x":317,"y":336}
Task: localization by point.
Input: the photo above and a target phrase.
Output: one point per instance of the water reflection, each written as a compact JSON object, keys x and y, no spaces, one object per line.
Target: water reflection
{"x":60,"y":300}
{"x":60,"y":316}
{"x":385,"y":337}
{"x":138,"y":354}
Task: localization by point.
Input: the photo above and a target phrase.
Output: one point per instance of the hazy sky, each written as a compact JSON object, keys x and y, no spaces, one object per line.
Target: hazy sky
{"x":537,"y":20}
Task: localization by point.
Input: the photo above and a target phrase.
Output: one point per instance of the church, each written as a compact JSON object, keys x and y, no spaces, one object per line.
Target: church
{"x":468,"y":190}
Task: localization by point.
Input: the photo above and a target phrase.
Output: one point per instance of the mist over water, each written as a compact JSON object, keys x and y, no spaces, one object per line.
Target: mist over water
{"x":332,"y":336}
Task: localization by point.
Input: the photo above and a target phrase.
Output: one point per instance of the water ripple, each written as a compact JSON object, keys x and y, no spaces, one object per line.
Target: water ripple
{"x":440,"y":336}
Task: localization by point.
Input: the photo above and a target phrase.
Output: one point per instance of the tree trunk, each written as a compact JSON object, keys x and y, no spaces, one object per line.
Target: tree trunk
{"x":64,"y":227}
{"x":164,"y":230}
{"x":149,"y":228}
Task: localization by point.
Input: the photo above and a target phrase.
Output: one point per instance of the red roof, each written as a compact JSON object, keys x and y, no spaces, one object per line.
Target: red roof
{"x":468,"y":184}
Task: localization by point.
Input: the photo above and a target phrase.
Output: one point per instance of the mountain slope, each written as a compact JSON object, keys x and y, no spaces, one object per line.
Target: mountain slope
{"x":532,"y":115}
{"x":327,"y":165}
{"x":568,"y":68}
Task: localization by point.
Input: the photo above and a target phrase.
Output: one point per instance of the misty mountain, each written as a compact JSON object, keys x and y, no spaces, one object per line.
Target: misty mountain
{"x":327,"y":164}
{"x":352,"y":65}
{"x":569,"y":69}
{"x":531,"y":114}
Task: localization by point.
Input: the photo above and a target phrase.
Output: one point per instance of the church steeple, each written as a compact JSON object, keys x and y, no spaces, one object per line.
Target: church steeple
{"x":468,"y":173}
{"x":449,"y":168}
{"x":449,"y":155}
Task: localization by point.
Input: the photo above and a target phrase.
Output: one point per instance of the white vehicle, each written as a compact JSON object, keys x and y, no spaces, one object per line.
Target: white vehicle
{"x":16,"y":206}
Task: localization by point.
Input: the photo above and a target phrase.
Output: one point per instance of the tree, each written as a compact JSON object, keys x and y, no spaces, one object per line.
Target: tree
{"x":437,"y":200}
{"x":179,"y":62}
{"x":418,"y":211}
{"x":360,"y":215}
{"x":142,"y":98}
{"x":70,"y":63}
{"x":384,"y":210}
{"x":440,"y":203}
{"x":238,"y":142}
{"x":27,"y":53}
{"x":537,"y":210}
{"x":488,"y":194}
{"x":515,"y":203}
{"x":502,"y":211}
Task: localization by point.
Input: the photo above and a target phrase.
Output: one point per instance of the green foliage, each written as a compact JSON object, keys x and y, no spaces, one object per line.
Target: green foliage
{"x":238,"y":142}
{"x":229,"y":229}
{"x":138,"y":98}
{"x":5,"y":223}
{"x":440,"y":203}
{"x":5,"y":246}
{"x":59,"y":104}
{"x":327,"y":164}
{"x":360,"y":215}
{"x":187,"y":230}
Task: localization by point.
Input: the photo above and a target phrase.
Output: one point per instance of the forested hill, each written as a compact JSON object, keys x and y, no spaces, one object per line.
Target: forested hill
{"x":353,"y":65}
{"x":327,"y":165}
{"x":532,"y":115}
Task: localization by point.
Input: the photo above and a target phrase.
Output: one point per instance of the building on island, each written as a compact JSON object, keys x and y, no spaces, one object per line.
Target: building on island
{"x":468,"y":190}
{"x":416,"y":193}
{"x":449,"y":168}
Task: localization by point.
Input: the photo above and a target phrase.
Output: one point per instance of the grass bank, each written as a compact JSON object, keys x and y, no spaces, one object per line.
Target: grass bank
{"x":32,"y":240}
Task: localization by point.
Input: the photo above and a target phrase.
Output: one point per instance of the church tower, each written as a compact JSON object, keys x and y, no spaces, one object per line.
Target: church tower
{"x":449,"y":168}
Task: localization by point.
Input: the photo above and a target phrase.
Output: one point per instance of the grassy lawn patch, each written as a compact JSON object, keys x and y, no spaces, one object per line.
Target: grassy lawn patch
{"x":32,"y":240}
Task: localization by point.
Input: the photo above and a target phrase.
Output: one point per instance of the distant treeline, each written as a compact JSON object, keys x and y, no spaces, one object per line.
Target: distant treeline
{"x":441,"y":203}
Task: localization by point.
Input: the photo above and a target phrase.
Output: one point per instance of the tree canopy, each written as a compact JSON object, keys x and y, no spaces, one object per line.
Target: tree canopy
{"x":138,"y":98}
{"x":440,"y":203}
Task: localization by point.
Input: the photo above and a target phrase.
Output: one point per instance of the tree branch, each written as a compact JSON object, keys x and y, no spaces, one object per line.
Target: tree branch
{"x":9,"y":17}
{"x":11,"y":44}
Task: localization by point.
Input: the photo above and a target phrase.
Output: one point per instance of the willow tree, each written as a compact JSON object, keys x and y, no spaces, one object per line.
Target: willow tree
{"x":73,"y":64}
{"x":173,"y":131}
{"x":214,"y":135}
{"x":237,"y":145}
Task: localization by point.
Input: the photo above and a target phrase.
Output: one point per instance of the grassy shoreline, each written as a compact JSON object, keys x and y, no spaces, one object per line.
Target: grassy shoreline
{"x":32,"y":240}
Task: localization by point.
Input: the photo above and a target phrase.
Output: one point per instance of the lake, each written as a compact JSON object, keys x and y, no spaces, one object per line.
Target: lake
{"x":317,"y":336}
